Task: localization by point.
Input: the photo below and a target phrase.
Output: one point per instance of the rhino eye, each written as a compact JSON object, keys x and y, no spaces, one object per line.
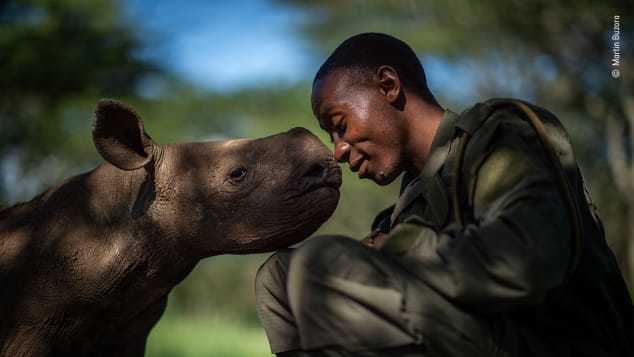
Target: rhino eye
{"x":238,"y":174}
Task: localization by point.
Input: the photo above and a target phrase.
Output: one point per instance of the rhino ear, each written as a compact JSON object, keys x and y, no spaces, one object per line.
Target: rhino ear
{"x":119,"y":137}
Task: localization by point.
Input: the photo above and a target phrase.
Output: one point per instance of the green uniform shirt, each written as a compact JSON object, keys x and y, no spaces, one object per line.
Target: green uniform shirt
{"x":512,"y":258}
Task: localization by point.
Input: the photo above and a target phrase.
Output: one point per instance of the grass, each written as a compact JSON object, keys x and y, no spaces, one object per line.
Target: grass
{"x":187,"y":337}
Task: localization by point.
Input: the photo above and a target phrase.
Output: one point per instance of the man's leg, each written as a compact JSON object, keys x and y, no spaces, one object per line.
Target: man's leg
{"x":272,"y":303}
{"x":331,"y":291}
{"x":334,"y":297}
{"x":344,"y":294}
{"x":404,"y":351}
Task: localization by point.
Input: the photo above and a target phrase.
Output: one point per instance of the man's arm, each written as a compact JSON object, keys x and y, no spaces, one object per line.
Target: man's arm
{"x":516,"y":249}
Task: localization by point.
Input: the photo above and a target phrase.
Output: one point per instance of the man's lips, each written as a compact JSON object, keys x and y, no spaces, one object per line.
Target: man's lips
{"x":363,"y":170}
{"x":356,"y":164}
{"x":360,"y":165}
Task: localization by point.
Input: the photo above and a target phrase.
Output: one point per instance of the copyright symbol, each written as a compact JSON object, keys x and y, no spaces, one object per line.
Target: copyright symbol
{"x":616,"y":73}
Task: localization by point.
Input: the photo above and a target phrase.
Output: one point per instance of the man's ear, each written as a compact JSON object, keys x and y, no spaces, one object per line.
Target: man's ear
{"x":119,"y":137}
{"x":389,"y":82}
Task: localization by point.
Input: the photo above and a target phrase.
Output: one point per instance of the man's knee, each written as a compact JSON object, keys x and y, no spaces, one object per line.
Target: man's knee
{"x":288,"y":268}
{"x":341,"y":294}
{"x":271,"y":276}
{"x":314,"y":262}
{"x":320,"y":255}
{"x":322,"y":267}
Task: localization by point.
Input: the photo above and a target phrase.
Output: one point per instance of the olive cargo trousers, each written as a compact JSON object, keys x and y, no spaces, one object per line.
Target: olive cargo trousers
{"x":333,"y":296}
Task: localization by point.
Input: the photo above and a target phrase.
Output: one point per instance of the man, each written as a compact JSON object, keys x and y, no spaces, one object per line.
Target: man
{"x":491,"y":250}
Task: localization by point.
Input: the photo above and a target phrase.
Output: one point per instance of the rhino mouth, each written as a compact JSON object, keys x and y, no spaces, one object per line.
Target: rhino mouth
{"x":330,"y":178}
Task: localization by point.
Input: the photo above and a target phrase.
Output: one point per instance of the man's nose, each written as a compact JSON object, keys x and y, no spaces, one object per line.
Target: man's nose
{"x":342,"y":149}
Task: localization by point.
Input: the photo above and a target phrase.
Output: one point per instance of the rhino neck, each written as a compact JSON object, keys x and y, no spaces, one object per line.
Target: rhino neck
{"x":102,"y":217}
{"x":91,"y":239}
{"x":155,"y":245}
{"x":95,"y":205}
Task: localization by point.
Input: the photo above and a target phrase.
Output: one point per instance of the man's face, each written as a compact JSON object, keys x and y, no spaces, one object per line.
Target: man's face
{"x":363,"y":125}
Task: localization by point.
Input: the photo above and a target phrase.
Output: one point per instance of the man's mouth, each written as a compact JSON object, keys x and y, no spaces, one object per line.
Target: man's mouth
{"x":363,"y":169}
{"x":356,"y":164}
{"x":360,"y":164}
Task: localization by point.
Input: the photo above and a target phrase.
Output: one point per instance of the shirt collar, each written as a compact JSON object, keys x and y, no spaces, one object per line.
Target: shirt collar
{"x":444,"y":134}
{"x":445,"y":130}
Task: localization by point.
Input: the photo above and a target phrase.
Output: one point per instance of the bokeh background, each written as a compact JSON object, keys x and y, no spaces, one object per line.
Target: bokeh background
{"x":206,"y":70}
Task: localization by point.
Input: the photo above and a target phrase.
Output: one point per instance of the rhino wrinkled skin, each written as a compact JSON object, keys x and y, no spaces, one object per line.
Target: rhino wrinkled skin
{"x":86,"y":267}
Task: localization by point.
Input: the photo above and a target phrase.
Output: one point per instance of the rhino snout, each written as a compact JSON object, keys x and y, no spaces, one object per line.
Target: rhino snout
{"x":323,"y":173}
{"x":318,"y":167}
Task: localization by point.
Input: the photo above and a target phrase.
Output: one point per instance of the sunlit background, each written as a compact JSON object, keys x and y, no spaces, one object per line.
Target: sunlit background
{"x":206,"y":70}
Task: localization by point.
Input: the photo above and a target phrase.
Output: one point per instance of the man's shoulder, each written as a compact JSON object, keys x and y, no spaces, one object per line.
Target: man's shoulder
{"x":507,"y":120}
{"x":505,"y":138}
{"x":507,"y":110}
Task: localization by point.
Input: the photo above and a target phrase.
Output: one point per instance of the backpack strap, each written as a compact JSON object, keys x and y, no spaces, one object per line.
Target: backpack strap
{"x":563,"y":182}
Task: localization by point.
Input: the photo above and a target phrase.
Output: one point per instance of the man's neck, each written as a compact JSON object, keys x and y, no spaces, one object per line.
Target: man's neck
{"x":423,"y":121}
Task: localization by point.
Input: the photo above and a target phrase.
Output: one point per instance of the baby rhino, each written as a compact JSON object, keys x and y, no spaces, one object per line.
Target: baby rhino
{"x":86,"y":267}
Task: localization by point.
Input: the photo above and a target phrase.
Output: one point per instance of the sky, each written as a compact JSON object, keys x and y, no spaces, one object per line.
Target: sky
{"x":229,"y":45}
{"x":224,"y":45}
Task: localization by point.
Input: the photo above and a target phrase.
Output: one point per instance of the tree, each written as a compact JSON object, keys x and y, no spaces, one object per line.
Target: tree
{"x":54,"y":53}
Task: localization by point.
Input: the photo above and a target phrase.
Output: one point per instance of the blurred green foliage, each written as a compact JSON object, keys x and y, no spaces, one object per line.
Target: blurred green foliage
{"x":209,"y":337}
{"x":58,"y":57}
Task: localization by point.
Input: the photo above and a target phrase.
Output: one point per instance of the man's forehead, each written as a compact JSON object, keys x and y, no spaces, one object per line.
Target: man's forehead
{"x":329,"y":88}
{"x":323,"y":89}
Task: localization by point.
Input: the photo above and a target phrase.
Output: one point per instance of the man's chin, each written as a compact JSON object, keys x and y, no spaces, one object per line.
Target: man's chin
{"x":383,"y":178}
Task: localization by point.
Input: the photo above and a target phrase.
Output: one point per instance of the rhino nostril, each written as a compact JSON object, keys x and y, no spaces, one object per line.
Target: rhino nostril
{"x":316,"y":171}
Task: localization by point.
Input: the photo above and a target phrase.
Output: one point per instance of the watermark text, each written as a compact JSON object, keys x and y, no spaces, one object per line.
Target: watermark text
{"x":616,"y":47}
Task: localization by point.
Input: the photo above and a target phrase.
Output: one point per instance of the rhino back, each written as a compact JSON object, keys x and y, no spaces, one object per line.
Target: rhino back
{"x":63,"y":257}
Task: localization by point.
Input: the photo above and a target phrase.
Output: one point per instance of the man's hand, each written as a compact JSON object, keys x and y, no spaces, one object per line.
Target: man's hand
{"x":376,"y":240}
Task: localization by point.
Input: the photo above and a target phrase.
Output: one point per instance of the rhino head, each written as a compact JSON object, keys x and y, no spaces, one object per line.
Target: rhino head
{"x":234,"y":196}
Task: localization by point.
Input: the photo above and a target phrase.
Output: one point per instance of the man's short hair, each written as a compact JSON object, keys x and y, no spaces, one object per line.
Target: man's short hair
{"x":366,"y":52}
